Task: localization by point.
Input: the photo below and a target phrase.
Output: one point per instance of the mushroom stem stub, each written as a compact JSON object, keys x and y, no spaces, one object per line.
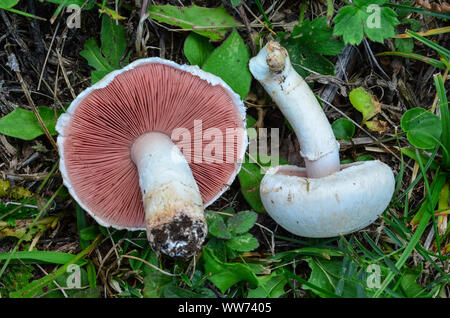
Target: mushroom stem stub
{"x":172,"y":201}
{"x":273,"y":69}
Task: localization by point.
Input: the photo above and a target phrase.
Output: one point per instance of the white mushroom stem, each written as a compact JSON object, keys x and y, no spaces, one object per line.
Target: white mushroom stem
{"x":273,"y":69}
{"x":172,"y":201}
{"x":327,"y":199}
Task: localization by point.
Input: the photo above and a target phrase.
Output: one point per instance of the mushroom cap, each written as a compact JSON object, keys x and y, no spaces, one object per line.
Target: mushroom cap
{"x":100,"y":126}
{"x":343,"y":202}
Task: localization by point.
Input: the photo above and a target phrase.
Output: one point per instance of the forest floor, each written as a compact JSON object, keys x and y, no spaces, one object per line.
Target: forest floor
{"x":48,"y":58}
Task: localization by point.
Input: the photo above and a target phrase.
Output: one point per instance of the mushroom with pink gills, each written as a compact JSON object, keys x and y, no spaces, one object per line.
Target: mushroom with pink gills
{"x":324,"y":199}
{"x":150,"y":146}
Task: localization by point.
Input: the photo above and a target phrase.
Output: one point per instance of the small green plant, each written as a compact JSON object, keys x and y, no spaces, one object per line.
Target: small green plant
{"x":368,"y":105}
{"x":15,"y":278}
{"x":111,"y":54}
{"x":228,"y":61}
{"x":307,"y":45}
{"x":343,"y":129}
{"x":212,"y":23}
{"x":23,"y":124}
{"x":422,"y":128}
{"x":230,"y":232}
{"x":370,"y":18}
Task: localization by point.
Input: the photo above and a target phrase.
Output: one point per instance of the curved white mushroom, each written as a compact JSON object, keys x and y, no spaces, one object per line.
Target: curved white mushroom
{"x":325,"y":199}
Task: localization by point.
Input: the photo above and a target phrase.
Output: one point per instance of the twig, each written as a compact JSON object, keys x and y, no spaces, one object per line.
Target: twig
{"x":372,"y":56}
{"x":14,"y":64}
{"x":47,"y":56}
{"x":248,"y":27}
{"x":66,"y":78}
{"x":149,"y":264}
{"x":344,"y":58}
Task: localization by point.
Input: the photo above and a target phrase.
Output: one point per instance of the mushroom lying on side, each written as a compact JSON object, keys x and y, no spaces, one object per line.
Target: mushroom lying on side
{"x":324,"y":199}
{"x":148,"y":147}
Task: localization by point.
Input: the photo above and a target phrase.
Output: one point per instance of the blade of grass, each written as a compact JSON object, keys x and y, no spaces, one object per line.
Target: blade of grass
{"x":412,"y":154}
{"x":301,"y":280}
{"x":427,"y":33}
{"x":445,"y":118}
{"x":38,"y":216}
{"x":440,"y":49}
{"x":40,"y":257}
{"x":261,"y":10}
{"x":441,"y":15}
{"x":82,"y":224}
{"x":35,"y":286}
{"x":25,"y":14}
{"x":419,"y":176}
{"x":428,"y":60}
{"x":418,"y":233}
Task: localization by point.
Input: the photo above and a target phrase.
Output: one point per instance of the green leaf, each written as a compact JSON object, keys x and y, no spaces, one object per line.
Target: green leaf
{"x":241,"y":222}
{"x":174,"y":291}
{"x":197,"y":49}
{"x":106,"y":60}
{"x":6,"y":4}
{"x":251,"y":175}
{"x":308,"y":42}
{"x":250,"y":121}
{"x":91,"y":292}
{"x":89,"y":233}
{"x":17,"y":277}
{"x":23,"y":124}
{"x":409,"y":285}
{"x":326,"y":253}
{"x":318,"y":36}
{"x":235,"y":3}
{"x":340,"y":278}
{"x":365,"y":103}
{"x":387,"y":21}
{"x":113,"y":39}
{"x":410,"y":152}
{"x":230,"y":62}
{"x":414,"y":25}
{"x":343,"y":129}
{"x":212,"y":23}
{"x":243,"y":243}
{"x":224,"y":275}
{"x":365,"y":157}
{"x":422,"y":127}
{"x":154,"y":283}
{"x":348,"y":23}
{"x":98,"y":75}
{"x":216,"y":225}
{"x":94,"y":57}
{"x":272,"y":286}
{"x":404,"y":45}
{"x":218,"y":247}
{"x":365,"y":17}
